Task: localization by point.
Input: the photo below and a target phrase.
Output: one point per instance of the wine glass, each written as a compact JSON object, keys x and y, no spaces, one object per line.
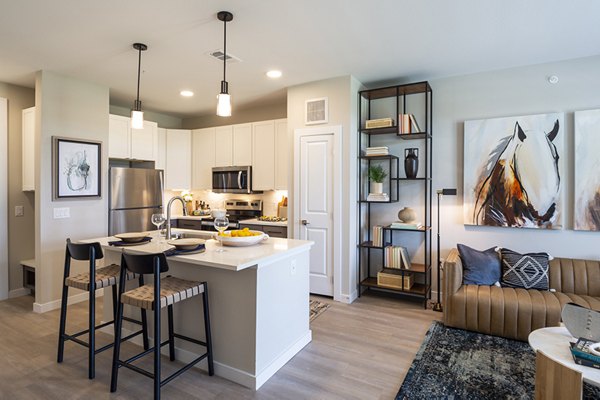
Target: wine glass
{"x":221,"y":223}
{"x":158,"y":220}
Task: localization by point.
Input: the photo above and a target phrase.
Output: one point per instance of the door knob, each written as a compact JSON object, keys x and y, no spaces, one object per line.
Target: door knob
{"x":304,"y":222}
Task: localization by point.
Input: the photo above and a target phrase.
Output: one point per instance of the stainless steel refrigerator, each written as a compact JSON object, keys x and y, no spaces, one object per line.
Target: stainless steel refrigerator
{"x":135,"y":194}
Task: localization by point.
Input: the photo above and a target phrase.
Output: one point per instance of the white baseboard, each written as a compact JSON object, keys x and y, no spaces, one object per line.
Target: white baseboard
{"x":55,"y":304}
{"x":347,"y":298}
{"x":238,"y":376}
{"x":19,"y":292}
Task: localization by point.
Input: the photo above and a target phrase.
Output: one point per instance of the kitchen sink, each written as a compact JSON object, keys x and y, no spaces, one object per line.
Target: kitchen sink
{"x":191,"y":235}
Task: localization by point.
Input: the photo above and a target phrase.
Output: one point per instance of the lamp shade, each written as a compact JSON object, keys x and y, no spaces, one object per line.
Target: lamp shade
{"x":223,"y":105}
{"x":137,"y":119}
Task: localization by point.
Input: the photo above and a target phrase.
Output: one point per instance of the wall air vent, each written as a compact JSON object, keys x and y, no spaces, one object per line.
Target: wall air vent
{"x":218,"y":55}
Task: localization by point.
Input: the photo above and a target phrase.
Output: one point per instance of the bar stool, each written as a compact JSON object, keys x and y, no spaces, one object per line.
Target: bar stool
{"x":162,"y":293}
{"x":104,"y":277}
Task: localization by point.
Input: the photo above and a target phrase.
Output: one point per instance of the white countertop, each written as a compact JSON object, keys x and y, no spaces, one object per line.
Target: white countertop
{"x":233,"y":258}
{"x":256,"y":221}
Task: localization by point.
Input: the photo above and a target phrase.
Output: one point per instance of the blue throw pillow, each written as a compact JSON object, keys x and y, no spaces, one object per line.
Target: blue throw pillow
{"x":480,"y":267}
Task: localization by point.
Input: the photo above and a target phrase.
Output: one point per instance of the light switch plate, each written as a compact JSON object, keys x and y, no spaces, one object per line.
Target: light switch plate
{"x":19,"y":211}
{"x":62,"y":212}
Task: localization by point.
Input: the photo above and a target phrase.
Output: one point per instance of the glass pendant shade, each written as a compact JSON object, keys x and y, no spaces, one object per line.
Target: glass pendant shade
{"x":224,"y":105}
{"x":137,"y":119}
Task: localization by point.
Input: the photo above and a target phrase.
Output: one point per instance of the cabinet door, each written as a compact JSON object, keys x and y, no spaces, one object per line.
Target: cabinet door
{"x":203,"y":158}
{"x":161,"y":149}
{"x":178,"y":169}
{"x":143,"y":142}
{"x":28,"y":150}
{"x":119,"y":139}
{"x":263,"y":155}
{"x":224,"y":146}
{"x":275,"y":231}
{"x":242,"y":144}
{"x":281,"y":154}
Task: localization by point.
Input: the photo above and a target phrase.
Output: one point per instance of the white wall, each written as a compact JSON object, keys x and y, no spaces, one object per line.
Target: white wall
{"x":511,"y":92}
{"x":341,"y":93}
{"x":70,"y":108}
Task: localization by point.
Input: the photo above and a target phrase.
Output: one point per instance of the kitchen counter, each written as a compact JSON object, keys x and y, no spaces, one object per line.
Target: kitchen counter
{"x":190,"y":217}
{"x":259,"y":303}
{"x":256,"y":221}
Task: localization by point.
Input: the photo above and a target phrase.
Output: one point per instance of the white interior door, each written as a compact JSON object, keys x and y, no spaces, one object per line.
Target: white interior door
{"x":3,"y":199}
{"x":316,"y":208}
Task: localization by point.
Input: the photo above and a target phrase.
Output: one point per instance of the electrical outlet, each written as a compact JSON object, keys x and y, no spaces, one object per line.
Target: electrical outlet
{"x":293,"y":267}
{"x":19,"y":211}
{"x":63,"y":212}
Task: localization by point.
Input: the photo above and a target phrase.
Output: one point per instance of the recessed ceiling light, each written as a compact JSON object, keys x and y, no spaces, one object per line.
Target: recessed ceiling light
{"x":274,"y":74}
{"x":186,"y":93}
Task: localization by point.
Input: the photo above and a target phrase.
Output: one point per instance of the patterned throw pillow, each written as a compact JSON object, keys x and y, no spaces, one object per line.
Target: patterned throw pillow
{"x":528,"y":271}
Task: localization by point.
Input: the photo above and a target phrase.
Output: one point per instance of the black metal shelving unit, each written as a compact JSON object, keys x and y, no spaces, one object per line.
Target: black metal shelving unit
{"x":367,"y":270}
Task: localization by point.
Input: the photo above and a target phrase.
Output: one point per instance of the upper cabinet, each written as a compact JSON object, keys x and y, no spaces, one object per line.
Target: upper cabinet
{"x":281,"y":155}
{"x":242,"y":144}
{"x":28,"y":150}
{"x":178,"y":168}
{"x":203,"y":158}
{"x":161,"y":149}
{"x":224,"y":146}
{"x":263,"y":155}
{"x":127,"y":143}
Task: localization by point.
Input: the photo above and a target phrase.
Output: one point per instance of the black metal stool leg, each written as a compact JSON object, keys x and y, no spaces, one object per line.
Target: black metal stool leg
{"x":171,"y":334}
{"x":211,"y":369}
{"x":144,"y":319}
{"x":117,"y":348}
{"x":114,"y":301}
{"x":63,"y":322}
{"x":156,"y":351}
{"x":92,"y":333}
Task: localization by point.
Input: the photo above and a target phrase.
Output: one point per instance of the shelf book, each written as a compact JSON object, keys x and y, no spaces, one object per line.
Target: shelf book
{"x":408,"y":124}
{"x":396,"y":257}
{"x":377,"y":234}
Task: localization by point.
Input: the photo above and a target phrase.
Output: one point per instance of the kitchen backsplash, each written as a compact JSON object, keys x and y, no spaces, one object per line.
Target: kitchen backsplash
{"x":217,"y":200}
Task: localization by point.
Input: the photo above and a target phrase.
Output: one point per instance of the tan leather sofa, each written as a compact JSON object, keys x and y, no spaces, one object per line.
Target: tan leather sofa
{"x":514,"y":313}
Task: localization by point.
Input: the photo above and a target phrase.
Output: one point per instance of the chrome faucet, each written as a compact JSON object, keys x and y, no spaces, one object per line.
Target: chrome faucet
{"x":168,"y":234}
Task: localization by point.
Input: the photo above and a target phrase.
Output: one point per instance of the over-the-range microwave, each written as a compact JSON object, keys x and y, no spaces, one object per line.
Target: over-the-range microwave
{"x":232,"y":180}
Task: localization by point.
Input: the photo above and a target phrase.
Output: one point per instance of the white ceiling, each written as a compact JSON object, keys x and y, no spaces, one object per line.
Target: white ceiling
{"x":308,"y":40}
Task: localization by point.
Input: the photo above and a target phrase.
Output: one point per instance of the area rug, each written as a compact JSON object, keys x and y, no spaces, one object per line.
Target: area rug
{"x":457,"y":364}
{"x":317,"y":308}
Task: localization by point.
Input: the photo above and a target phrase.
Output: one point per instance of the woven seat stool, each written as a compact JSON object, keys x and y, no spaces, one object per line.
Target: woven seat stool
{"x":161,"y":293}
{"x":104,"y":277}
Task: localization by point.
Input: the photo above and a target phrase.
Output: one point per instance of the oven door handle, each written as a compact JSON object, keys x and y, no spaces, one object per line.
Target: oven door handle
{"x":239,"y":179}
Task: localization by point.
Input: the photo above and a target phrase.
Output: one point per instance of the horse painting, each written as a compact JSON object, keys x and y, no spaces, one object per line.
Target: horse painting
{"x":516,"y":178}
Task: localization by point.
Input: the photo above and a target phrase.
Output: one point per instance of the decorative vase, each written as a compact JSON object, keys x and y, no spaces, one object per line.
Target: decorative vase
{"x":190,"y":207}
{"x":407,"y":215}
{"x":376,"y":187}
{"x":411,"y":162}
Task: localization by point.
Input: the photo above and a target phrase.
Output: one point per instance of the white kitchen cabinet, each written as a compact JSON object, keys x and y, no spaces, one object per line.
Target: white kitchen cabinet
{"x":263,"y":155}
{"x":224,"y":146}
{"x":143,"y":142}
{"x":119,"y":138}
{"x":242,"y":144}
{"x":161,"y":149}
{"x":203,"y":158}
{"x":281,"y":155}
{"x":127,"y":143}
{"x":28,"y":150}
{"x":178,"y":171}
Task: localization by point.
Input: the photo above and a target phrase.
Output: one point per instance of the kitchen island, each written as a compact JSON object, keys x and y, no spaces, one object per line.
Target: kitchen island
{"x":259,"y":303}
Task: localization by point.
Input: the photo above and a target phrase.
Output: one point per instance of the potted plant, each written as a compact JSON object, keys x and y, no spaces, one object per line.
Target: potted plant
{"x":376,"y":176}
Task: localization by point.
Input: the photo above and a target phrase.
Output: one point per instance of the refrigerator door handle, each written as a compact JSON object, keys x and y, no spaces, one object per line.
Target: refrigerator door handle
{"x":240,"y":179}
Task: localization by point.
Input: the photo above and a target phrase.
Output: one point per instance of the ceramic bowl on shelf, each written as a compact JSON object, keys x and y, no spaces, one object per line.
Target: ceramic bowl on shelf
{"x":242,"y":241}
{"x":132,"y":237}
{"x":186,"y":243}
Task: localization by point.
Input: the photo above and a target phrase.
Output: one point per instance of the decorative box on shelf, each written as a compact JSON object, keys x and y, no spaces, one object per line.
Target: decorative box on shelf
{"x":394,"y":278}
{"x":379,"y":123}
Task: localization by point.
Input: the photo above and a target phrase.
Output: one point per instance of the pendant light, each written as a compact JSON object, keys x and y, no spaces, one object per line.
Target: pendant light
{"x":224,"y":99}
{"x":137,"y":115}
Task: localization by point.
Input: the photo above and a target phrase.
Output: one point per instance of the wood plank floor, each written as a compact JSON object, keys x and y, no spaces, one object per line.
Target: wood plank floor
{"x":359,"y":351}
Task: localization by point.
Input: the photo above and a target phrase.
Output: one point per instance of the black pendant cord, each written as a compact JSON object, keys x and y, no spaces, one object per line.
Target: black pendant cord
{"x":139,"y":73}
{"x":224,"y":48}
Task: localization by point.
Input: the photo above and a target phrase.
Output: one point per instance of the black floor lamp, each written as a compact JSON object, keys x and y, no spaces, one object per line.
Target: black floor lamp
{"x":441,"y":192}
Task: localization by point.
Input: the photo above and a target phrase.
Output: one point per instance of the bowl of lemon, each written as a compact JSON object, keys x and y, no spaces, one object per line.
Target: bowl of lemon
{"x":241,"y":237}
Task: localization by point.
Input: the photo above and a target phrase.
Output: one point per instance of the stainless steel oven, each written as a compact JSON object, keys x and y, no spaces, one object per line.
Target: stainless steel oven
{"x":232,"y":179}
